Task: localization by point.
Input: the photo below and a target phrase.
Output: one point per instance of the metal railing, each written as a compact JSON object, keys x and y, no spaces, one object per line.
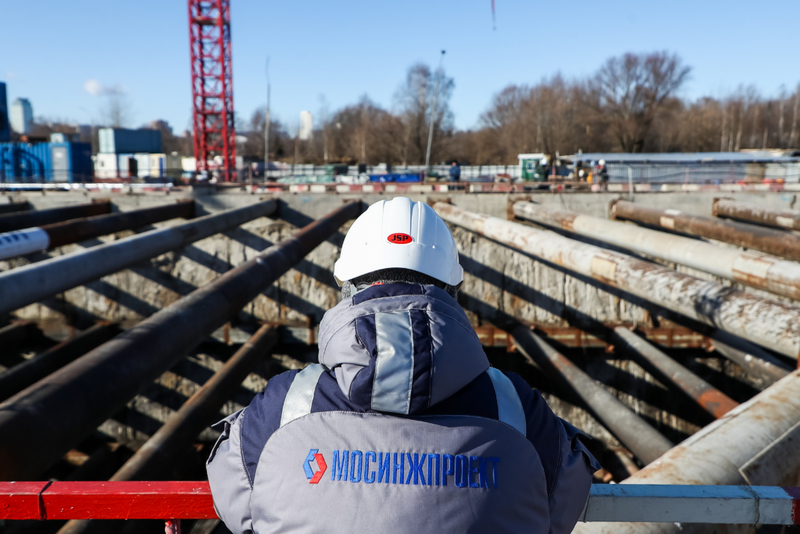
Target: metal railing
{"x":711,"y":174}
{"x":174,"y":500}
{"x":701,"y":173}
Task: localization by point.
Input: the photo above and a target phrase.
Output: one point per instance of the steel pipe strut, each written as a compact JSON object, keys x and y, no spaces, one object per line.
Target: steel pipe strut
{"x":20,"y":376}
{"x":745,"y":211}
{"x":17,"y":221}
{"x":13,"y":207}
{"x":640,"y":438}
{"x":196,"y":413}
{"x":766,"y":322}
{"x":707,"y":396}
{"x":16,"y":333}
{"x":776,"y":275}
{"x":764,"y":366}
{"x":32,"y":283}
{"x":716,"y":453}
{"x":782,"y":244}
{"x":50,"y":236}
{"x":60,"y":410}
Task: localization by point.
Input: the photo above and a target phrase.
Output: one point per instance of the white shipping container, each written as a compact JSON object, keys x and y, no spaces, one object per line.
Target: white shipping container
{"x":105,"y":166}
{"x":189,"y":164}
{"x":158,"y":165}
{"x":126,"y":163}
{"x":142,"y":165}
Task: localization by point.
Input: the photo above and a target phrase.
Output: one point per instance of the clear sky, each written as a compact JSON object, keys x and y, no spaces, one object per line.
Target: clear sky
{"x":57,"y":53}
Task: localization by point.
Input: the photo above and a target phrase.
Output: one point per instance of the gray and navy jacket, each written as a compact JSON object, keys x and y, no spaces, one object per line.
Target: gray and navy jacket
{"x":402,"y":427}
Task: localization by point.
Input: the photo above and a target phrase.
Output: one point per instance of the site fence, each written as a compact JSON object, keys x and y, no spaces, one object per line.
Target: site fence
{"x":709,"y":174}
{"x":746,"y":505}
{"x":704,"y":173}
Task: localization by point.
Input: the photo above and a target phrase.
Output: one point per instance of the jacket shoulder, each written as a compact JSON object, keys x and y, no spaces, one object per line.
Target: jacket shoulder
{"x":544,"y":429}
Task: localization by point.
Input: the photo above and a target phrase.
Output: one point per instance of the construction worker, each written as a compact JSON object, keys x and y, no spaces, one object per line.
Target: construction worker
{"x":455,"y":172}
{"x":602,"y":171}
{"x":402,"y":426}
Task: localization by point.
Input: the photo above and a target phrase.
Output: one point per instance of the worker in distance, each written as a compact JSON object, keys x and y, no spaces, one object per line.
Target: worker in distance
{"x":402,"y":426}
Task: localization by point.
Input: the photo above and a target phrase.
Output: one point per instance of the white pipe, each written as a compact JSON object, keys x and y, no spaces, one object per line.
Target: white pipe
{"x":763,"y":321}
{"x":754,"y":269}
{"x":21,"y":242}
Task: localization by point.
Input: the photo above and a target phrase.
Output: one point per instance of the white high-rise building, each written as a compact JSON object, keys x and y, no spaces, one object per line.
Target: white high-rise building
{"x":21,"y":115}
{"x":306,"y":126}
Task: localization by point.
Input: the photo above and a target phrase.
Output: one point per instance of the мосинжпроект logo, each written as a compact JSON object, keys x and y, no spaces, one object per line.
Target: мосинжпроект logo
{"x":434,"y":469}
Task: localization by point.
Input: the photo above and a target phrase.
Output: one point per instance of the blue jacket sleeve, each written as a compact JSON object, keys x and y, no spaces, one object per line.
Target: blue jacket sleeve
{"x":567,"y":463}
{"x":227,"y":477}
{"x":231,"y":466}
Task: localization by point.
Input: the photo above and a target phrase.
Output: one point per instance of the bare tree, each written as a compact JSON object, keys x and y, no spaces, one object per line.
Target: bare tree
{"x":254,"y":131}
{"x":629,"y":91}
{"x":414,"y":98}
{"x":116,"y":112}
{"x":793,"y":135}
{"x":365,"y":133}
{"x":324,"y":126}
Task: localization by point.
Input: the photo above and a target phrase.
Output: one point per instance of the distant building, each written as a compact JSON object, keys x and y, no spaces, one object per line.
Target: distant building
{"x":5,"y":132}
{"x":21,"y":115}
{"x":84,"y":130}
{"x":160,"y":125}
{"x":306,"y":126}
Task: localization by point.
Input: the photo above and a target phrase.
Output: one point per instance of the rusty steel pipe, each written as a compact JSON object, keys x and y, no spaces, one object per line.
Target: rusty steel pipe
{"x":16,"y":333}
{"x":745,"y":211}
{"x":776,"y":275}
{"x":14,"y":207}
{"x":763,"y":321}
{"x":196,"y":413}
{"x":775,"y":242}
{"x":704,"y":394}
{"x":645,"y":442}
{"x":717,"y":452}
{"x":32,"y":283}
{"x":763,"y":365}
{"x":60,"y":410}
{"x":50,"y":236}
{"x":17,"y":221}
{"x":17,"y":378}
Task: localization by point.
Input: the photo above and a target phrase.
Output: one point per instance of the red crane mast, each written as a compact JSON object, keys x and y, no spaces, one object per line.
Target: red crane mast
{"x":212,"y":86}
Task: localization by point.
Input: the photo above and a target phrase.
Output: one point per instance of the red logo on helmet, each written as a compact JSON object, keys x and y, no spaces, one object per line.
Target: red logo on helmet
{"x":399,"y":239}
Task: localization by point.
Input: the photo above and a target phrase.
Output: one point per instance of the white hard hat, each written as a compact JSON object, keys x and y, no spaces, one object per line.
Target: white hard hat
{"x":399,"y":234}
{"x":602,"y":162}
{"x":543,"y":161}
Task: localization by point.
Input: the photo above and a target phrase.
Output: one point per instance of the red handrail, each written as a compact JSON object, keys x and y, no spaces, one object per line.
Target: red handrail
{"x":106,"y":500}
{"x":173,"y":501}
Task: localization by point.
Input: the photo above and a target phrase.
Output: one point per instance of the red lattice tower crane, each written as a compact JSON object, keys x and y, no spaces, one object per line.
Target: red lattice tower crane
{"x":212,"y":85}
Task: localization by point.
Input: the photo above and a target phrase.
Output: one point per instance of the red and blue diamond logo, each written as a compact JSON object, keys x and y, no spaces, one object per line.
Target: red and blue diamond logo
{"x":314,"y":476}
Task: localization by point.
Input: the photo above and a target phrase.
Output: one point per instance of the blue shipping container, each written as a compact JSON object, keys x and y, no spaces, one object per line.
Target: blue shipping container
{"x":72,"y":162}
{"x":121,"y":141}
{"x":21,"y":162}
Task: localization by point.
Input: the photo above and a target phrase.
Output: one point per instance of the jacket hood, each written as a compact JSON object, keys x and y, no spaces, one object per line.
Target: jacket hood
{"x":400,"y":348}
